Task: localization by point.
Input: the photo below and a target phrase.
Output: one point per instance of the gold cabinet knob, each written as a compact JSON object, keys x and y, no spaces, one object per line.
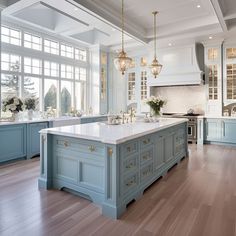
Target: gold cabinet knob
{"x":66,"y":144}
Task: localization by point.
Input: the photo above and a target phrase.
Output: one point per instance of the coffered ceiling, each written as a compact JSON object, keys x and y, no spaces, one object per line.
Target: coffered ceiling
{"x":98,"y":21}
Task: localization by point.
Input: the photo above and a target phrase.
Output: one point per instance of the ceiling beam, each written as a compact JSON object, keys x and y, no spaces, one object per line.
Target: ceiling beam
{"x":230,"y":16}
{"x":218,"y":11}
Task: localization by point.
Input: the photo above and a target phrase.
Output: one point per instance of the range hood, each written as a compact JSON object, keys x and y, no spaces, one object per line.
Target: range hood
{"x":181,"y":66}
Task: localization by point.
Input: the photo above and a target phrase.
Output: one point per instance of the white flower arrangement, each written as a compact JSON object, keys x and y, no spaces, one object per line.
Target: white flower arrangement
{"x":12,"y":104}
{"x":155,"y":104}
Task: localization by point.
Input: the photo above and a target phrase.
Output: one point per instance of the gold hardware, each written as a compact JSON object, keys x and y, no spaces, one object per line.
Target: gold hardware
{"x":128,"y":149}
{"x":146,"y":141}
{"x":91,"y":148}
{"x":66,"y":144}
{"x":44,"y":138}
{"x":110,"y":152}
{"x":130,"y":183}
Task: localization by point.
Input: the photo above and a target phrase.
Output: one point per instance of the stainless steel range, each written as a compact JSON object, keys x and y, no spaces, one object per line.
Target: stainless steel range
{"x":192,"y":124}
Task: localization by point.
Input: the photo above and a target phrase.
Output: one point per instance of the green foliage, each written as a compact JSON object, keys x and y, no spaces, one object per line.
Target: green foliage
{"x":30,"y":103}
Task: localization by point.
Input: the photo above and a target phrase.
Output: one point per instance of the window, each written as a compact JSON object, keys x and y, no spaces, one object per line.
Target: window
{"x":66,"y":71}
{"x":32,"y":41}
{"x":80,"y":54}
{"x":32,"y":66}
{"x":67,"y":51}
{"x":80,"y":96}
{"x":80,"y":73}
{"x":66,"y":96}
{"x":10,"y":35}
{"x":11,"y":62}
{"x":51,"y":69}
{"x":50,"y":94}
{"x":51,"y":46}
{"x":143,"y":85}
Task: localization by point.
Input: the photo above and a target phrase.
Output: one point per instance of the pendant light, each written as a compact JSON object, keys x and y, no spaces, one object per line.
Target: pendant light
{"x":155,"y":66}
{"x":122,"y":62}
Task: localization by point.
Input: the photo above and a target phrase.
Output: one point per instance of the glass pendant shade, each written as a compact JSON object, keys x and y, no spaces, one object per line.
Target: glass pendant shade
{"x":122,"y":62}
{"x":155,"y":68}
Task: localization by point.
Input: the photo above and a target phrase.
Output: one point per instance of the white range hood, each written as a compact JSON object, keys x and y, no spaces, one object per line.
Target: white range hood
{"x":181,"y":66}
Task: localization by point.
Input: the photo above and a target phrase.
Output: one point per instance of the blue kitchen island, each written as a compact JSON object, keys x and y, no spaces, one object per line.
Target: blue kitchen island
{"x":110,"y":164}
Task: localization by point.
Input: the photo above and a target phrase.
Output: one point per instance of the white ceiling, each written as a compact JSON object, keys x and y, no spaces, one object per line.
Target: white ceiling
{"x":98,"y":21}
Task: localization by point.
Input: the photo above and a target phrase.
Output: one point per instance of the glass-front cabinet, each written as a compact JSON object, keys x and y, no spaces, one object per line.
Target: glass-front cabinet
{"x":213,"y":79}
{"x":229,"y":80}
{"x":137,"y":89}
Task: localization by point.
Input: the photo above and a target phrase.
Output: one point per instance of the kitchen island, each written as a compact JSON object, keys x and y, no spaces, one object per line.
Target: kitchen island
{"x":110,"y":164}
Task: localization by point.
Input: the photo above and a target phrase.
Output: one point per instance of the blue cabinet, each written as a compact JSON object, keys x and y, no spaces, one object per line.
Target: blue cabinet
{"x":12,"y":142}
{"x":220,"y":130}
{"x":33,"y":138}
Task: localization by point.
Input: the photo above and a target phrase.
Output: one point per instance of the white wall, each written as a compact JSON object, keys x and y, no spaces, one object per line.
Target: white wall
{"x":182,"y":98}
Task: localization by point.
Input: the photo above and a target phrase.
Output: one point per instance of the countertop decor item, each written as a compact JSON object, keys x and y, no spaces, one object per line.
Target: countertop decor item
{"x":30,"y":105}
{"x":14,"y":105}
{"x":155,"y":103}
{"x":122,"y":62}
{"x":155,"y":66}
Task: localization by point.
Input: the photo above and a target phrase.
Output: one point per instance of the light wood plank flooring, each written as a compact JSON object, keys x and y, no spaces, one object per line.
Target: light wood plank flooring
{"x":197,"y":197}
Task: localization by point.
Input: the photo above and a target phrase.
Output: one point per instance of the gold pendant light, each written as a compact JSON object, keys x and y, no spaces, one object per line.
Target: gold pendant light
{"x":155,"y":66}
{"x":122,"y":62}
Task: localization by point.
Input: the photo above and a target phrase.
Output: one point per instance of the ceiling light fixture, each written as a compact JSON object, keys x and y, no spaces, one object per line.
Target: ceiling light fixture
{"x":198,"y":6}
{"x":76,"y":9}
{"x":122,"y":62}
{"x":210,"y":37}
{"x":155,"y":66}
{"x":170,"y":44}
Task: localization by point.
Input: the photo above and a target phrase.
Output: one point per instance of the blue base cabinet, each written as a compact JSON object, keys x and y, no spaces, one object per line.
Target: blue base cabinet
{"x":20,"y":140}
{"x":12,"y":142}
{"x":84,"y":120}
{"x":110,"y":175}
{"x":220,"y":130}
{"x":33,"y":138}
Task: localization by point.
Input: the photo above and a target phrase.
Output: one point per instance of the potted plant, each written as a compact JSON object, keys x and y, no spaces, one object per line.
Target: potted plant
{"x":30,"y":105}
{"x":14,"y":105}
{"x":155,"y":103}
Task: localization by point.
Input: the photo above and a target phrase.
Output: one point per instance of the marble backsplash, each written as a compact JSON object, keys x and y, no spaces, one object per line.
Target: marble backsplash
{"x":181,"y":98}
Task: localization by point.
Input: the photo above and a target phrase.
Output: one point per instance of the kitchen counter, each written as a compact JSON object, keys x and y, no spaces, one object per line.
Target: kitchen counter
{"x":110,"y":164}
{"x":113,"y":134}
{"x":38,"y":120}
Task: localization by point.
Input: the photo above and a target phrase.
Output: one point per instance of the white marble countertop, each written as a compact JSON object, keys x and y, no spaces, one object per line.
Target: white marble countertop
{"x":37,"y":120}
{"x":220,"y":117}
{"x":113,"y":134}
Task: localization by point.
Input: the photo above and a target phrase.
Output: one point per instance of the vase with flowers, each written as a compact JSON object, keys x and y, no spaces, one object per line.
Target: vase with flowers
{"x":30,"y":105}
{"x":14,"y":105}
{"x":155,"y":103}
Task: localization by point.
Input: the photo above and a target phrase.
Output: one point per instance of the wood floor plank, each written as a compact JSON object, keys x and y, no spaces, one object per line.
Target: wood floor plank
{"x":196,"y":198}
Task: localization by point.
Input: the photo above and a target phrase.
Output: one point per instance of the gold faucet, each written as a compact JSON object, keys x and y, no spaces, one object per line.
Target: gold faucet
{"x":131,"y":115}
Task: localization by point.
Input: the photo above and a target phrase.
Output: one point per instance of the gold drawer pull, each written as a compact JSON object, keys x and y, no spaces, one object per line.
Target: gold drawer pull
{"x":130,"y":183}
{"x":146,"y":141}
{"x":91,"y":148}
{"x":128,"y":149}
{"x":129,"y":166}
{"x":66,"y":144}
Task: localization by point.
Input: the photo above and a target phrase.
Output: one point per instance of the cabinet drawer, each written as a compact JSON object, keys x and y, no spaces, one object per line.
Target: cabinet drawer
{"x":72,"y":145}
{"x":130,"y":148}
{"x":146,"y":156}
{"x":130,"y":183}
{"x":145,"y":141}
{"x":130,"y":164}
{"x":146,"y":172}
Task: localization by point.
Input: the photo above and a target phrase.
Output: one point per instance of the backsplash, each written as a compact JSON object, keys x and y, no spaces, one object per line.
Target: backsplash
{"x":182,"y":98}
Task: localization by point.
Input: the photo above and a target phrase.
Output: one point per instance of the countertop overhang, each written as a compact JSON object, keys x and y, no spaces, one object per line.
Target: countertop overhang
{"x":113,"y":134}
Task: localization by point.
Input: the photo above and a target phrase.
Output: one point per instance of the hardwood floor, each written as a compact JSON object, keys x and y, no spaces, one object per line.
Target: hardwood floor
{"x":197,"y":197}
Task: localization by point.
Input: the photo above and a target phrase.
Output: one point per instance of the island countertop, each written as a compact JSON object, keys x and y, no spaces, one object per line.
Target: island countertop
{"x":113,"y":134}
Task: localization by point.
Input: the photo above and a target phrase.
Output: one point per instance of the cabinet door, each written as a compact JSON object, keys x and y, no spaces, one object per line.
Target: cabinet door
{"x":33,"y":144}
{"x":169,"y":147}
{"x":12,"y":142}
{"x":213,"y":130}
{"x":229,"y":131}
{"x":159,"y":158}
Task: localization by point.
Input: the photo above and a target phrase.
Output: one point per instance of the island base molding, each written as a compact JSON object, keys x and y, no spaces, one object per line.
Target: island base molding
{"x":110,"y":175}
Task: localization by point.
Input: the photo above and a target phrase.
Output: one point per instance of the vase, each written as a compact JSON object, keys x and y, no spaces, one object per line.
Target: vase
{"x":14,"y":116}
{"x":30,"y":114}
